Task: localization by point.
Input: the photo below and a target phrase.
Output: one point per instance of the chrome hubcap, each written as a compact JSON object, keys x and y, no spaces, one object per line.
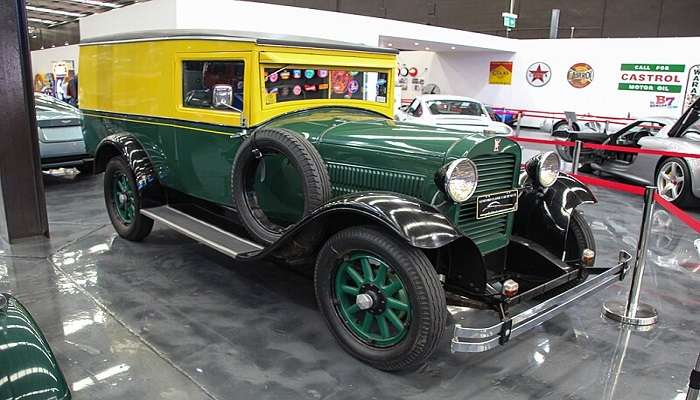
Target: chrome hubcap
{"x":670,"y":181}
{"x":364,"y":301}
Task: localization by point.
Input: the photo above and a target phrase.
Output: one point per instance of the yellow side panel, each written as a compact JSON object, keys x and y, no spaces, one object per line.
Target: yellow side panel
{"x":145,"y":78}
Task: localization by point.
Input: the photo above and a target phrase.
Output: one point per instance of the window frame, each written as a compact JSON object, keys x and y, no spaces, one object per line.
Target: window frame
{"x":212,"y":115}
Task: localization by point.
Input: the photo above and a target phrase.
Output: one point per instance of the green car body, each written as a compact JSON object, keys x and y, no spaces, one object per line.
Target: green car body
{"x":28,"y":368}
{"x":329,"y":180}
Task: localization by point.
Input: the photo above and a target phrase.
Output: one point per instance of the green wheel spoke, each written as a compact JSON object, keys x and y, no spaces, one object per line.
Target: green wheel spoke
{"x":381,"y":275}
{"x":354,"y":275}
{"x":350,"y":290}
{"x":366,"y":269}
{"x":396,"y":304}
{"x":391,"y":288}
{"x":367,"y":322}
{"x":394,"y":320}
{"x":353,"y":309}
{"x":383,"y":326}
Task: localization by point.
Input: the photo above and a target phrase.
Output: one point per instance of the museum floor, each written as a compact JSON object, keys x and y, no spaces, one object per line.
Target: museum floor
{"x":171,"y":319}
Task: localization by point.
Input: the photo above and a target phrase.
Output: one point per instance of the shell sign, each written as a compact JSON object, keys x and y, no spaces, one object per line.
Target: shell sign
{"x":500,"y":72}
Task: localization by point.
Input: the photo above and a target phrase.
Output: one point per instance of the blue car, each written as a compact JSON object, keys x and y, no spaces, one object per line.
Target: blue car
{"x":61,"y":142}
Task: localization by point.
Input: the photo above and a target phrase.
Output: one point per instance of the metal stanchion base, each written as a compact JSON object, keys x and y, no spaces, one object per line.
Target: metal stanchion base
{"x":615,"y":310}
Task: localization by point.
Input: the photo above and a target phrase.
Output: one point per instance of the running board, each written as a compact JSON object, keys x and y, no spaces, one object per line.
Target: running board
{"x":203,"y":232}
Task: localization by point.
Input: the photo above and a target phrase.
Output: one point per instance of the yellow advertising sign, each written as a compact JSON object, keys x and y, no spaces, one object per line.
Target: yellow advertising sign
{"x":500,"y":72}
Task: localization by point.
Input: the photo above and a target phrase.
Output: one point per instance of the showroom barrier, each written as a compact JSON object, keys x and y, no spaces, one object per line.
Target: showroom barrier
{"x":694,"y":384}
{"x":691,"y":222}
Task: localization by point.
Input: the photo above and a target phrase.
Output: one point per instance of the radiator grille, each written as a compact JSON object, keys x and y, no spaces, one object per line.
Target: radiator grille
{"x":495,"y":175}
{"x":352,"y":178}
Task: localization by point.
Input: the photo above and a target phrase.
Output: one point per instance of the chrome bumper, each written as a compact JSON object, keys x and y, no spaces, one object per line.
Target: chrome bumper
{"x":474,"y":340}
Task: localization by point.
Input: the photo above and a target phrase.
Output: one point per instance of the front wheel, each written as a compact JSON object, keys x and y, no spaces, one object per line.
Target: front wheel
{"x":673,"y":182}
{"x":123,"y":201}
{"x":381,"y":298}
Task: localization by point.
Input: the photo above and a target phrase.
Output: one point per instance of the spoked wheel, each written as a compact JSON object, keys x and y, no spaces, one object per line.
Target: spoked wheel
{"x":380,"y":297}
{"x":673,"y":181}
{"x":372,"y":300}
{"x":566,"y":153}
{"x":124,"y":202}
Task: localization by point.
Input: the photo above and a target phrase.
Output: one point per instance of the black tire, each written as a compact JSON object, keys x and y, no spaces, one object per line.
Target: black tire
{"x":685,"y":198}
{"x":302,"y":156}
{"x":426,"y":297}
{"x":566,"y":153}
{"x":139,"y":226}
{"x":564,"y":125}
{"x":579,"y":237}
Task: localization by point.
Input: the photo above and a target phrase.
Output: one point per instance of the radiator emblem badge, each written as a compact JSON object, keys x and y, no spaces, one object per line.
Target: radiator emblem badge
{"x":496,"y":145}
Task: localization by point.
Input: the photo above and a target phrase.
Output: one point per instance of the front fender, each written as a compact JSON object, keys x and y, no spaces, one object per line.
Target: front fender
{"x":416,"y":222}
{"x":543,"y":215}
{"x":27,"y":364}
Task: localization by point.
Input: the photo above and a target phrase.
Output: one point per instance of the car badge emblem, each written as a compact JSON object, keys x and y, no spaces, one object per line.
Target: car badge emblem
{"x":496,"y":145}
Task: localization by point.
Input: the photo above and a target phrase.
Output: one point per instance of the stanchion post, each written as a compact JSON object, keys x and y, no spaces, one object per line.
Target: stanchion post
{"x":517,"y":123}
{"x":607,"y":125}
{"x":633,"y":312}
{"x":694,"y":384}
{"x":576,"y":157}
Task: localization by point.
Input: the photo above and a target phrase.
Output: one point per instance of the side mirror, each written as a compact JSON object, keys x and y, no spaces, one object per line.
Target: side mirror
{"x":222,"y":96}
{"x":404,"y":107}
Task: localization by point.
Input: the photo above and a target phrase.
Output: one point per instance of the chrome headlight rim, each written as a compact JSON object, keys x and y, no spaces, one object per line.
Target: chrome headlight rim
{"x":547,"y":181}
{"x":448,"y":177}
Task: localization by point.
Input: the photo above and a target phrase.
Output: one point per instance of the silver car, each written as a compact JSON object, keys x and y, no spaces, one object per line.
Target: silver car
{"x":60,"y":130}
{"x":677,"y":178}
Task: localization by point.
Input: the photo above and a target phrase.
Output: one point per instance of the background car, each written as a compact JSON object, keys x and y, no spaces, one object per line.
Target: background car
{"x":677,"y":179}
{"x":61,"y":142}
{"x":508,"y":117}
{"x":454,"y":112}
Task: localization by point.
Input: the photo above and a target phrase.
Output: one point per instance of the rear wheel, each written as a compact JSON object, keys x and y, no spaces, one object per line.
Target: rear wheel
{"x":381,"y":298}
{"x":673,"y":182}
{"x":123,"y":201}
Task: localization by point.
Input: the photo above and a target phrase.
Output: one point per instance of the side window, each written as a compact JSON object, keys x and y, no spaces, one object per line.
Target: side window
{"x":200,"y":77}
{"x":418,"y":111}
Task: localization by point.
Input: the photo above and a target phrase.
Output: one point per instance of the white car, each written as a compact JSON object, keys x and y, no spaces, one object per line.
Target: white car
{"x":454,"y":112}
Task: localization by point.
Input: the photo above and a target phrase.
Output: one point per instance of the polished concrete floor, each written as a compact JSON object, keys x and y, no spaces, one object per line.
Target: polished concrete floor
{"x":171,"y":319}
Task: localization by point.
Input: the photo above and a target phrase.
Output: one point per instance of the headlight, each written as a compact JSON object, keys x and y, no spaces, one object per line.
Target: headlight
{"x":544,"y":168}
{"x":459,"y":179}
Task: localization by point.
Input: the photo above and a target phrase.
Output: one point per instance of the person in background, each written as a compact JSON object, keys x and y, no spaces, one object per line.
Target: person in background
{"x":70,"y":86}
{"x":39,"y":83}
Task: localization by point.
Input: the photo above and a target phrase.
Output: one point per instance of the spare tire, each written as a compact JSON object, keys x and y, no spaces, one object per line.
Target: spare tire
{"x":300,"y":154}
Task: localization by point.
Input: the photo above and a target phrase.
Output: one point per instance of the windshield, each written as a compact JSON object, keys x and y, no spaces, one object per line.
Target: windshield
{"x":456,"y":107}
{"x":289,"y":83}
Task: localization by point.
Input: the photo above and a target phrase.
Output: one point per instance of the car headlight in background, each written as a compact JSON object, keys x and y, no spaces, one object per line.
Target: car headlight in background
{"x":459,"y":179}
{"x":544,"y":168}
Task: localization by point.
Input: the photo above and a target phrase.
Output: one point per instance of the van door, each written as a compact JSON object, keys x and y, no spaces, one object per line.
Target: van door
{"x":209,"y":134}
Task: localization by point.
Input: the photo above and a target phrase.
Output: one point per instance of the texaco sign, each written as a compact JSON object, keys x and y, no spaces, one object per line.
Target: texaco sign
{"x":538,"y":74}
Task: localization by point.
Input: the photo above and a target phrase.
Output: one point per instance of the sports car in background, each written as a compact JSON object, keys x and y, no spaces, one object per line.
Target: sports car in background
{"x":677,"y":178}
{"x":60,"y":131}
{"x":454,"y":112}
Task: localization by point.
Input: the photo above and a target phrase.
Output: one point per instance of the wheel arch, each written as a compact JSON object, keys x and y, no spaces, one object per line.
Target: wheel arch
{"x":128,"y":147}
{"x":412,"y":220}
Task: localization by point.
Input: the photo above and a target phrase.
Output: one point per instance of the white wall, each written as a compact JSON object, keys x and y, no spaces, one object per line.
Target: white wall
{"x":155,"y":14}
{"x":42,"y":60}
{"x":466,"y":73}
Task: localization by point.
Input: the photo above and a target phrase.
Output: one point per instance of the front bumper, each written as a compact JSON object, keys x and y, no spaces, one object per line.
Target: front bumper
{"x":474,"y":340}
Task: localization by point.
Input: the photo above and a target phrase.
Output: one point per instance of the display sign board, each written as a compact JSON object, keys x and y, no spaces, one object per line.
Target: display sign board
{"x":500,"y":72}
{"x":692,"y":87}
{"x":509,"y":19}
{"x":665,"y":78}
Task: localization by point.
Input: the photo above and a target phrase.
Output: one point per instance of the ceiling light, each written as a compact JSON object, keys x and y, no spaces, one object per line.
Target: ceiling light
{"x":416,"y":43}
{"x":41,"y":21}
{"x":427,"y":48}
{"x":452,"y":47}
{"x":389,"y":44}
{"x":66,"y":43}
{"x":57,"y":12}
{"x":97,"y":3}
